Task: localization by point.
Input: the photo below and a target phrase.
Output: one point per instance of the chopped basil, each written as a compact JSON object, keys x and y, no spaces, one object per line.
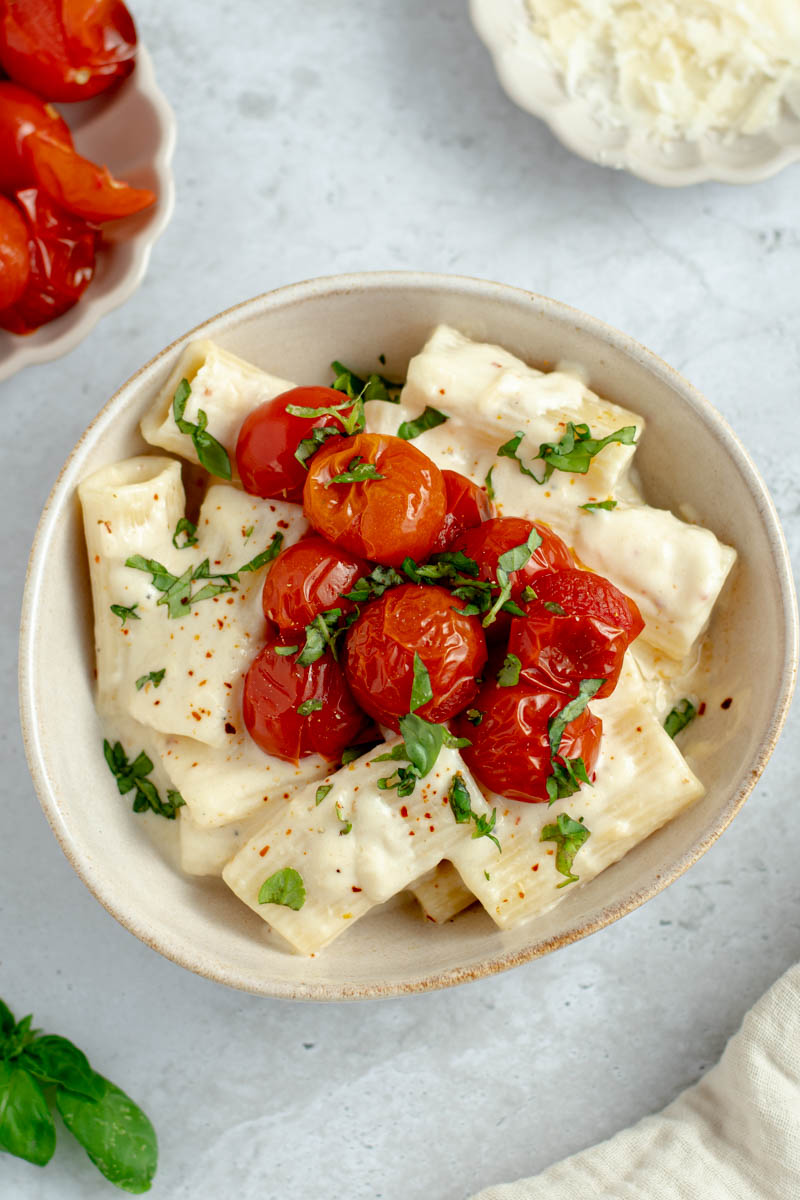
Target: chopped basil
{"x":566,"y":779}
{"x":285,"y":651}
{"x":421,"y":745}
{"x":474,"y":716}
{"x":568,"y":773}
{"x":321,"y":634}
{"x":358,"y":471}
{"x":527,"y":594}
{"x":248,"y":533}
{"x":460,"y":801}
{"x":309,"y":706}
{"x":372,"y":586}
{"x":512,"y":560}
{"x":573,"y":452}
{"x":682,"y":715}
{"x":490,"y":483}
{"x":133,"y":777}
{"x":421,"y":690}
{"x":486,"y":875}
{"x":189,"y":531}
{"x":554,"y":608}
{"x":508,"y":675}
{"x":212,"y":455}
{"x":309,"y":446}
{"x":557,"y":724}
{"x":153,"y":677}
{"x":509,"y":450}
{"x":427,"y":420}
{"x":351,"y":754}
{"x":594,"y":505}
{"x":272,"y":551}
{"x":125,"y":614}
{"x":484,"y":826}
{"x":285,"y":887}
{"x":374,"y":387}
{"x":346,"y":825}
{"x":569,"y":836}
{"x":322,"y":792}
{"x":352,"y":422}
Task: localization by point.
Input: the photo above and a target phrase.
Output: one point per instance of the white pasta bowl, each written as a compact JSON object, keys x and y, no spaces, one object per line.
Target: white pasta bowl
{"x":132,"y":131}
{"x":688,"y":456}
{"x":531,"y":81}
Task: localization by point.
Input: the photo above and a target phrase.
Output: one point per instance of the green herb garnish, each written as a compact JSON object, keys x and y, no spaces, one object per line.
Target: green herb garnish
{"x":427,"y":420}
{"x":682,"y":715}
{"x":508,"y":675}
{"x":594,"y":505}
{"x":513,"y":560}
{"x":569,"y":836}
{"x":125,"y":614}
{"x":573,"y":452}
{"x":489,"y":483}
{"x":322,"y":792}
{"x":308,"y":707}
{"x":554,"y":608}
{"x":346,"y":825}
{"x":285,"y":887}
{"x":132,"y":776}
{"x":568,"y":773}
{"x":153,"y":677}
{"x":358,"y":471}
{"x":461,"y":807}
{"x":35,"y":1069}
{"x":421,"y":745}
{"x":374,"y":387}
{"x":421,"y":690}
{"x":474,"y":716}
{"x":212,"y":455}
{"x":189,"y":531}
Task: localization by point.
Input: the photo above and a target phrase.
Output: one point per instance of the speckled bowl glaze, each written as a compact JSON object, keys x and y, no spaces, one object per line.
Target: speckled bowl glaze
{"x":132,"y":131}
{"x":529,"y":78}
{"x":688,"y":455}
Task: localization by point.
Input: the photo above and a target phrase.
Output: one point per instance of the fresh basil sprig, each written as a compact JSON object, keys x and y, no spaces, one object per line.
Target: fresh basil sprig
{"x":682,"y":715}
{"x":429,"y":419}
{"x":212,"y":455}
{"x":113,"y":1131}
{"x":573,"y":452}
{"x":132,"y":776}
{"x":568,"y":773}
{"x":421,"y":745}
{"x":569,"y":836}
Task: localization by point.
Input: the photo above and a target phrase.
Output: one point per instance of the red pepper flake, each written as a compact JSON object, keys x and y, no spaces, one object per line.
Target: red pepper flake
{"x":411,"y":833}
{"x":427,"y":816}
{"x":227,"y":685}
{"x":727,"y":703}
{"x":355,"y":889}
{"x":209,"y":653}
{"x":229,"y":728}
{"x":196,"y":716}
{"x":190,"y":672}
{"x":286,"y":795}
{"x":230,"y":600}
{"x":283,"y":524}
{"x":638,"y":729}
{"x":535,"y":867}
{"x":521,"y":895}
{"x":404,"y":811}
{"x":288,"y":831}
{"x":263,"y":851}
{"x":701,"y":709}
{"x":97,"y":558}
{"x":155,"y":495}
{"x":432,"y":828}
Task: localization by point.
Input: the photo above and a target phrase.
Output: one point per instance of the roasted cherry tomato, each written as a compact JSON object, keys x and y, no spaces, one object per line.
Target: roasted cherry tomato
{"x":275,"y":688}
{"x":15,"y":266}
{"x":394,"y":515}
{"x":307,"y":578}
{"x":488,"y":541}
{"x":269,"y":438}
{"x":62,"y":251}
{"x":380,"y":648}
{"x":66,"y":49}
{"x":510,"y":748}
{"x":467,"y":506}
{"x":36,"y":149}
{"x":579,"y":627}
{"x":22,"y":114}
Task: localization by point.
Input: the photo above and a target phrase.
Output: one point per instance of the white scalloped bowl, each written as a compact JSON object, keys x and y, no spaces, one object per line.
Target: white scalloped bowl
{"x":531,"y":81}
{"x":688,"y":454}
{"x":132,"y":131}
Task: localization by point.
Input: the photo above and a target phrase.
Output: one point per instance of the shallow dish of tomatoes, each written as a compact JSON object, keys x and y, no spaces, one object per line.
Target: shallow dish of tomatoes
{"x":129,"y":129}
{"x":690,"y":457}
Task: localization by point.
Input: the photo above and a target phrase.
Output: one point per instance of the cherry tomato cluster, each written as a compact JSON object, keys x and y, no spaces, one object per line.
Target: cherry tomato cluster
{"x":53,"y":199}
{"x":356,"y":605}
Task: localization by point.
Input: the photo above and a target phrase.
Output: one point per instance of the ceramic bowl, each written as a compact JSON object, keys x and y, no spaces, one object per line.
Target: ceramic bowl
{"x":532,"y":82}
{"x":132,"y":131}
{"x":688,"y":456}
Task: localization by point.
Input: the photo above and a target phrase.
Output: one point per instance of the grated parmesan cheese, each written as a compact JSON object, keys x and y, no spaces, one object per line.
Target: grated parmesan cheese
{"x":675,"y":68}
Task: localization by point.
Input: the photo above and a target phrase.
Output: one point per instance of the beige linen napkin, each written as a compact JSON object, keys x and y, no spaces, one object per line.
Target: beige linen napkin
{"x":735,"y":1135}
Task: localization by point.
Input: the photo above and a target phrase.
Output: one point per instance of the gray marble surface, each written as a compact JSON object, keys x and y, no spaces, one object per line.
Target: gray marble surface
{"x":336,"y":137}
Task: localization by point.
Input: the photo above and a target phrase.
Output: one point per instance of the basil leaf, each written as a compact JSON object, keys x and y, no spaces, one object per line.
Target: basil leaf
{"x":321,"y":633}
{"x":569,"y":836}
{"x":351,"y":754}
{"x":489,"y":484}
{"x":308,"y":707}
{"x":527,"y":595}
{"x":54,"y":1059}
{"x":7,"y":1022}
{"x":179,"y":401}
{"x":132,"y":777}
{"x":346,"y":825}
{"x":554,"y":608}
{"x":557,"y":724}
{"x":185,"y":527}
{"x":594,"y":505}
{"x":285,"y":651}
{"x":576,"y":449}
{"x":115,"y":1133}
{"x":474,"y":716}
{"x":459,"y":799}
{"x":285,"y":887}
{"x":421,"y":690}
{"x":509,"y":450}
{"x":375,"y":387}
{"x":352,"y":422}
{"x":427,"y":420}
{"x":457,"y":560}
{"x":516,"y":558}
{"x":682,"y":715}
{"x":322,"y":792}
{"x":358,"y":471}
{"x":508,"y":674}
{"x":423,"y":741}
{"x":153,"y":677}
{"x":308,"y":447}
{"x":125,"y":614}
{"x":212,"y":455}
{"x":484,"y":826}
{"x":26,"y":1127}
{"x":372,"y":586}
{"x":266,"y":556}
{"x":566,"y":779}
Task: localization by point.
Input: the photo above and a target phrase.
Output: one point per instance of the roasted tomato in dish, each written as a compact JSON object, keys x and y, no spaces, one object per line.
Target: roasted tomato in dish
{"x":270,"y":436}
{"x":380,"y":649}
{"x":15,"y":267}
{"x":307,"y":578}
{"x":66,"y":49}
{"x":467,"y":506}
{"x":510,"y":748}
{"x":579,"y":627}
{"x":23,"y":114}
{"x":61,"y":254}
{"x":377,"y":496}
{"x":293,"y":711}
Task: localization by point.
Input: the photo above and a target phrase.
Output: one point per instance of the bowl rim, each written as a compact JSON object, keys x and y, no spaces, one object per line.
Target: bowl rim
{"x":182,"y":952}
{"x":503,"y":38}
{"x":29,"y":351}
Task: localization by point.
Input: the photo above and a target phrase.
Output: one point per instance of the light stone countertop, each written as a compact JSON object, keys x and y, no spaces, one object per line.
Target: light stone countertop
{"x":332,"y":137}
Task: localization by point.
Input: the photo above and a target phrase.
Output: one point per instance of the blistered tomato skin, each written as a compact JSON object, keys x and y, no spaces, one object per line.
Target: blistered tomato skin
{"x":274,"y":689}
{"x":510,"y":748}
{"x":467,"y":506}
{"x":387,"y":519}
{"x":307,"y":578}
{"x":588,"y":642}
{"x":15,"y":267}
{"x":21,"y":115}
{"x":380,"y":648}
{"x":269,"y":437}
